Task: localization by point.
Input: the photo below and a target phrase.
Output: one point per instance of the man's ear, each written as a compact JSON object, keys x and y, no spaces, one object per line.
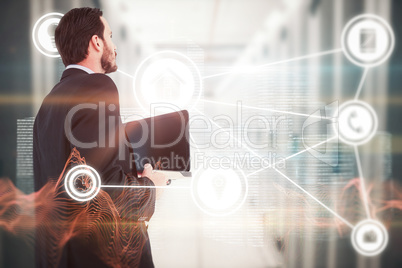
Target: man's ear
{"x":97,"y":43}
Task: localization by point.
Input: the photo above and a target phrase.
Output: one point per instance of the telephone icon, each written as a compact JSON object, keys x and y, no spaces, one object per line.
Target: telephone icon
{"x":353,"y":122}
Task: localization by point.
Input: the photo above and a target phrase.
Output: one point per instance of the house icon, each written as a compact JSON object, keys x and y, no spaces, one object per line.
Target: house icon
{"x":167,"y":86}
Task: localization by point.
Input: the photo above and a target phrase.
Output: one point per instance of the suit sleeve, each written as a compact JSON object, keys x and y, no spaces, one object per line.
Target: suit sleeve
{"x":96,"y":130}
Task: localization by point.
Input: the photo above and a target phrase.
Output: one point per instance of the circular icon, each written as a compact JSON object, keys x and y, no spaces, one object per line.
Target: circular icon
{"x":369,"y":237}
{"x":367,"y":40}
{"x":219,"y":192}
{"x":357,"y":122}
{"x":43,"y":34}
{"x":82,"y":183}
{"x":167,"y":77}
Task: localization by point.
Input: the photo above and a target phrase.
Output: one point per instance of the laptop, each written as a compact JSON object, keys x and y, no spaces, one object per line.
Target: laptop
{"x":163,"y":142}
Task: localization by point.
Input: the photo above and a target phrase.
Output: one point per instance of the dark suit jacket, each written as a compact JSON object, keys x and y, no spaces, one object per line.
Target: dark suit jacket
{"x":93,"y":129}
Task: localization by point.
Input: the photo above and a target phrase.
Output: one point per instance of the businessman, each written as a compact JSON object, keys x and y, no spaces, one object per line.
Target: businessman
{"x":82,"y":111}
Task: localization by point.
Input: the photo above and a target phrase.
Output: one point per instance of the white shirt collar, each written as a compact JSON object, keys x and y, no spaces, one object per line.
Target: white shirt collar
{"x":89,"y":71}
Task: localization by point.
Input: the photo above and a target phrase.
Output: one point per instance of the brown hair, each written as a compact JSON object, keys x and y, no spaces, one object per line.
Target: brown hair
{"x":74,"y":32}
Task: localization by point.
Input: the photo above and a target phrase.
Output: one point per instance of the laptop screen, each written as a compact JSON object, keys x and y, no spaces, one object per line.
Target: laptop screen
{"x":162,"y":141}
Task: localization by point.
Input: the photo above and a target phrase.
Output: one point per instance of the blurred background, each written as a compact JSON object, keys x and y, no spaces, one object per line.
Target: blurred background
{"x":276,"y":226}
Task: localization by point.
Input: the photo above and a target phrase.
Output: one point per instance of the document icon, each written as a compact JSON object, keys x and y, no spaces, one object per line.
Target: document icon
{"x":367,"y":41}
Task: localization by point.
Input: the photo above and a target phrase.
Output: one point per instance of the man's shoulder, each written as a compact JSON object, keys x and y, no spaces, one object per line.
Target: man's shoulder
{"x":95,"y":80}
{"x":82,"y":87}
{"x":86,"y":84}
{"x":100,"y":79}
{"x":99,"y":84}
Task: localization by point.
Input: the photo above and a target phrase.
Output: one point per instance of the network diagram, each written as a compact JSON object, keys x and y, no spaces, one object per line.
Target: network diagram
{"x":367,"y":41}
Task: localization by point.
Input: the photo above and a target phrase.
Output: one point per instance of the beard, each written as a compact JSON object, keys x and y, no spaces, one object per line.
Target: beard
{"x":107,"y":62}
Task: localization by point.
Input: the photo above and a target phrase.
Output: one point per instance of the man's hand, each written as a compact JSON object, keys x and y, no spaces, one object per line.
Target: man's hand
{"x":158,"y":179}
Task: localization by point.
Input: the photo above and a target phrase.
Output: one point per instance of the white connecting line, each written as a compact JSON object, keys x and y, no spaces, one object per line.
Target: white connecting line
{"x":129,"y":75}
{"x":144,"y":187}
{"x":234,"y":138}
{"x":358,"y":162}
{"x":270,"y":110}
{"x":195,"y":144}
{"x":264,"y":65}
{"x":294,"y":183}
{"x":291,"y":156}
{"x":361,"y":82}
{"x":301,"y":188}
{"x":362,"y":184}
{"x":279,"y":62}
{"x":318,"y":201}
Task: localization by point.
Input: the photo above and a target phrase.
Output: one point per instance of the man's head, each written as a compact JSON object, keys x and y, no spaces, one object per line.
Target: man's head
{"x":83,"y":34}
